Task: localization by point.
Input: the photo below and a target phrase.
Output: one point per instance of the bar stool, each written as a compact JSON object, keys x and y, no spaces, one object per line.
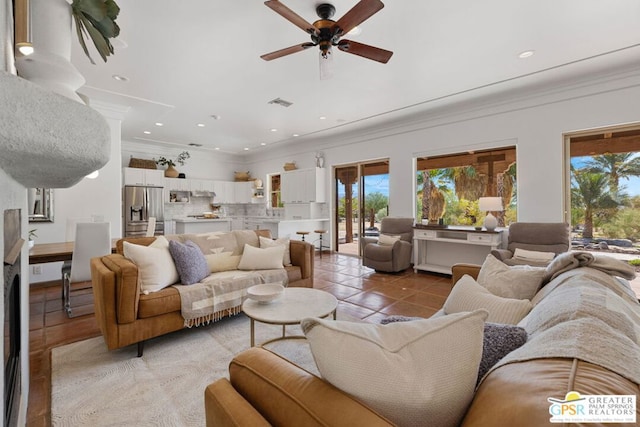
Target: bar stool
{"x":302,"y":233}
{"x":321,"y":233}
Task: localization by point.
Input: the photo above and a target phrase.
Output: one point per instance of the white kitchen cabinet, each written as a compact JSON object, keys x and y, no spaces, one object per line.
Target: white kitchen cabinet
{"x":201,"y":185}
{"x":242,"y":192}
{"x":143,"y":177}
{"x":224,"y":192}
{"x":303,"y":186}
{"x":202,"y":225}
{"x":177,"y":184}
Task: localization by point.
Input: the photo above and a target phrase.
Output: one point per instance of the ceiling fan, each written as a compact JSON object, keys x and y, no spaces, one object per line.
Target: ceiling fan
{"x":326,"y":33}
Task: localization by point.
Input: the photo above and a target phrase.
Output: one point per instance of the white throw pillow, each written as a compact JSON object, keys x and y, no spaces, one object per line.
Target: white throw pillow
{"x":385,"y":239}
{"x":468,"y":295}
{"x":156,"y":269}
{"x":261,"y":259}
{"x":222,"y":261}
{"x":283,"y":241}
{"x":422,"y":372}
{"x":533,"y":256}
{"x":518,"y":281}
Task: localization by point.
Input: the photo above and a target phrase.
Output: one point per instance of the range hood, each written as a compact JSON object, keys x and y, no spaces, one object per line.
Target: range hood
{"x":203,"y":193}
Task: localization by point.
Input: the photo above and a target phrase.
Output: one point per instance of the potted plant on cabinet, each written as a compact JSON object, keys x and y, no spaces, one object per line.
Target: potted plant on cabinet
{"x":96,"y":19}
{"x":171,"y":171}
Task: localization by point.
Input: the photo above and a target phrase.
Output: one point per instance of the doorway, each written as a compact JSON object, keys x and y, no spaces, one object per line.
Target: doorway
{"x":362,"y":200}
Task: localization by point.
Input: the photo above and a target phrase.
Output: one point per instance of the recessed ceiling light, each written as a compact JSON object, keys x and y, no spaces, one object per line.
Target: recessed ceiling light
{"x":147,"y":132}
{"x":526,"y":54}
{"x":322,"y":118}
{"x":295,"y":134}
{"x":263,"y":143}
{"x":159,"y":124}
{"x":217,"y":148}
{"x":274,"y":130}
{"x":200,"y":125}
{"x":120,"y":78}
{"x":246,"y":148}
{"x":215,"y":117}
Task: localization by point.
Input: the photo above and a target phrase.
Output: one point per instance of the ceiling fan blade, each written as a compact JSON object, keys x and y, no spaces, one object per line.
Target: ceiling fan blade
{"x":286,"y":51}
{"x":358,"y":14}
{"x":366,"y":51}
{"x":291,"y":16}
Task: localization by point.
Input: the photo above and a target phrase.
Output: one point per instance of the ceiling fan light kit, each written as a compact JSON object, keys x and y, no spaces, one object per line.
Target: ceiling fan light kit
{"x":326,"y":33}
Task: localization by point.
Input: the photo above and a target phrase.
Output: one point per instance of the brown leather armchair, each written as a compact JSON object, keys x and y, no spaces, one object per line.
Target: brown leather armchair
{"x":535,"y":236}
{"x":390,"y":258}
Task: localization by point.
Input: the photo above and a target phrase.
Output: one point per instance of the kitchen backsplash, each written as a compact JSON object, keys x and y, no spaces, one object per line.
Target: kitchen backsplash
{"x":198,"y":205}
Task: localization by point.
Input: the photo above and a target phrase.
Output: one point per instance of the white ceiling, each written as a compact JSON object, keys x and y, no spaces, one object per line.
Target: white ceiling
{"x":186,"y":61}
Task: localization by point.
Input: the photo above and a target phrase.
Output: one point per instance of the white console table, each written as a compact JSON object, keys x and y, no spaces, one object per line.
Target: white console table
{"x":438,"y":249}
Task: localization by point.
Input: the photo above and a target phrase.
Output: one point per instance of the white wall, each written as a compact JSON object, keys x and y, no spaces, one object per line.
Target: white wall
{"x":534,"y":123}
{"x":101,"y":196}
{"x":14,"y":196}
{"x":202,"y":164}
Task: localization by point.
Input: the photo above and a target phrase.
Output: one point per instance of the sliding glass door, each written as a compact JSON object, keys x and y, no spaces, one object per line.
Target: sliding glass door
{"x":362,"y":200}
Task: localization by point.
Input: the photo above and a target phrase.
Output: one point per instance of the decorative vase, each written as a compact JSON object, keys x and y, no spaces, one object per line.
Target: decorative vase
{"x":171,"y":172}
{"x":31,"y":243}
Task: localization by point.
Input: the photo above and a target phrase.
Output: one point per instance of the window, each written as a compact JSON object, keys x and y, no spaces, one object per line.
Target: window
{"x":275,"y":200}
{"x":448,"y":187}
{"x":605,"y":186}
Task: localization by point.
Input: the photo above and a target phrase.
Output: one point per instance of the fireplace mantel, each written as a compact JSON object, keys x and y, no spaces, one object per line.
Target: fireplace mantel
{"x":46,"y":139}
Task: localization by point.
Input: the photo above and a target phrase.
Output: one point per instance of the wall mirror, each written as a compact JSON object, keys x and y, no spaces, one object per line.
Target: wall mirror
{"x":40,"y":204}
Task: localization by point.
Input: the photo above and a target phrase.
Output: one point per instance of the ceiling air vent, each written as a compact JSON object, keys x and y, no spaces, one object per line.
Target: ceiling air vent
{"x":280,"y":102}
{"x":193,"y":144}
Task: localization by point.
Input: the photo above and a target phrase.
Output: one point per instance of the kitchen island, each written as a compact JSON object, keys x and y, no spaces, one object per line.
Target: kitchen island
{"x":201,"y":225}
{"x":281,"y":227}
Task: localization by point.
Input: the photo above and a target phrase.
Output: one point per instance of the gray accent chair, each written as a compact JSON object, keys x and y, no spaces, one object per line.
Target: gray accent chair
{"x":535,"y":236}
{"x":390,"y":258}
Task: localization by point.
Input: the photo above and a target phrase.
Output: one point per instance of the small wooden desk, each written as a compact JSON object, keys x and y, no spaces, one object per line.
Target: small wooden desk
{"x":53,"y":252}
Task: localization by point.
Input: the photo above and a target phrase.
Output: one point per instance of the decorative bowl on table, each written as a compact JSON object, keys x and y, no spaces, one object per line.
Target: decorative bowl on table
{"x":265,"y":293}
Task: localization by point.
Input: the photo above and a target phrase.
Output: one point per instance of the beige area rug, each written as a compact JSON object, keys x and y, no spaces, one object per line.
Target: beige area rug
{"x":92,"y":386}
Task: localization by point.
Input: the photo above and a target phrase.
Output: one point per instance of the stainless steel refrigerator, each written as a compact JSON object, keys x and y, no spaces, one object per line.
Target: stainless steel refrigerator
{"x":140,"y":204}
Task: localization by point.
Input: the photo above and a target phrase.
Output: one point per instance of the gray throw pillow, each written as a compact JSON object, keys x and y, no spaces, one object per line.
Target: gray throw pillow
{"x":190,"y":262}
{"x":499,"y":340}
{"x":398,"y":318}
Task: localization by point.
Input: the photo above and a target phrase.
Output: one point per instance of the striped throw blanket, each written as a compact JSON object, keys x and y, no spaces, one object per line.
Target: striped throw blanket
{"x":221,"y":294}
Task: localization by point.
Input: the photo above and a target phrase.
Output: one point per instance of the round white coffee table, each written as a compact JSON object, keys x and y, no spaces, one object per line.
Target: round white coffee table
{"x":293,"y":306}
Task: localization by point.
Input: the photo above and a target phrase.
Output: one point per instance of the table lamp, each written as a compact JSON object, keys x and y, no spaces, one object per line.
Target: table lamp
{"x":490,"y":204}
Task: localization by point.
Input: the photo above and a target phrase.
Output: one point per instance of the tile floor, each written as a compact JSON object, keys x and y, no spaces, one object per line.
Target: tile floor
{"x":362,"y":293}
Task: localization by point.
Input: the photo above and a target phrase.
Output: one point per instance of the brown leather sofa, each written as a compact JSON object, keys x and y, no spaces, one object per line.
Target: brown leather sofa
{"x":126,"y":316}
{"x":264,"y":389}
